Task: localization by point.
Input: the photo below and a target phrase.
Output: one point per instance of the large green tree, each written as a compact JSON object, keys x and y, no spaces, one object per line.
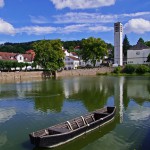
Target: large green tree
{"x":126,"y":45}
{"x":49,"y":54}
{"x":93,"y":49}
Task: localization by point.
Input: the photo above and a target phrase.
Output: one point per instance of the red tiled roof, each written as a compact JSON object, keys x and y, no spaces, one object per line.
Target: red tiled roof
{"x":7,"y":56}
{"x":12,"y":56}
{"x":77,"y":47}
{"x":73,"y":53}
{"x":74,"y":58}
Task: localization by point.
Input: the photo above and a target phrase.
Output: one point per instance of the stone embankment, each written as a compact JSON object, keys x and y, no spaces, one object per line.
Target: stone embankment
{"x":19,"y":76}
{"x":24,"y":76}
{"x":85,"y":72}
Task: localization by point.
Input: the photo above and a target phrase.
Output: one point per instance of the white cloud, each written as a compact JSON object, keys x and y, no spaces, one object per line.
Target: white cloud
{"x":6,"y":28}
{"x":139,"y":26}
{"x":81,"y":17}
{"x":82,"y":4}
{"x":85,"y":18}
{"x":36,"y":30}
{"x":72,"y":28}
{"x":100,"y":28}
{"x":1,"y":3}
{"x":38,"y":20}
{"x":83,"y":28}
{"x":136,"y":14}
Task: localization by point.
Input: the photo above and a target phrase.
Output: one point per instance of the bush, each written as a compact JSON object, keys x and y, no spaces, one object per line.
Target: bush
{"x":129,"y":69}
{"x":117,"y":69}
{"x":141,"y":69}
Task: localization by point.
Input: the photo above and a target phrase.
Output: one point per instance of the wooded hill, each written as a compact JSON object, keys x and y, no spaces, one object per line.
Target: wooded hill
{"x":23,"y":47}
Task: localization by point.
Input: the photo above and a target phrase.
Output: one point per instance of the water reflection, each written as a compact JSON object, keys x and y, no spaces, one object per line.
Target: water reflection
{"x":6,"y":114}
{"x":3,"y":139}
{"x":22,"y":106}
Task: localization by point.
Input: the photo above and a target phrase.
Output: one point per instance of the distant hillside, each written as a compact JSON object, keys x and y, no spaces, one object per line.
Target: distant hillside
{"x":23,"y":47}
{"x":16,"y":47}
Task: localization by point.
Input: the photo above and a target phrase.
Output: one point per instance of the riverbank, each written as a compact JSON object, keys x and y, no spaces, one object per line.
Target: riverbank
{"x":85,"y":72}
{"x":28,"y":76}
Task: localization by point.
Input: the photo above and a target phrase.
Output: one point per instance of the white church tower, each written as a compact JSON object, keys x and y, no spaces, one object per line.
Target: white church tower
{"x":118,"y":52}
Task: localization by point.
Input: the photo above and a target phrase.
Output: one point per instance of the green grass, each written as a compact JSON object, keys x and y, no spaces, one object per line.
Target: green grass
{"x":123,"y":74}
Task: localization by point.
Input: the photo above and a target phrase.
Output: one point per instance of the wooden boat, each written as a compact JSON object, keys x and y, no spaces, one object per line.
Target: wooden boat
{"x":64,"y":132}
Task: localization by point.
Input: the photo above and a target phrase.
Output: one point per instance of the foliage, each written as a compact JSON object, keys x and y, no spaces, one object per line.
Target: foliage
{"x":21,"y":65}
{"x":110,"y":46}
{"x":16,"y":47}
{"x":2,"y":65}
{"x":68,"y":44}
{"x":129,"y":69}
{"x":126,"y":45}
{"x":15,"y":64}
{"x":49,"y":54}
{"x":147,"y":43}
{"x":141,"y":40}
{"x":93,"y":49}
{"x":118,"y":70}
{"x":8,"y":65}
{"x":141,"y":69}
{"x":148,"y":58}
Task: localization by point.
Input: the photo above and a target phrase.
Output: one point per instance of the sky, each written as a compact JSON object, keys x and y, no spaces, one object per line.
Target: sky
{"x":30,"y":20}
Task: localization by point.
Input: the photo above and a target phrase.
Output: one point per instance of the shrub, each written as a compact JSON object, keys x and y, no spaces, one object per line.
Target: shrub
{"x":129,"y":69}
{"x":117,"y":69}
{"x":141,"y":69}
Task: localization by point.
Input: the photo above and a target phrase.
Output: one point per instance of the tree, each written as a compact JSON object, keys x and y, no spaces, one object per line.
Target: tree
{"x":141,"y":40}
{"x":147,"y":43}
{"x":15,"y":64}
{"x":126,"y":45}
{"x":21,"y":65}
{"x":26,"y":65}
{"x":93,"y":49}
{"x":2,"y":65}
{"x":148,"y":58}
{"x":8,"y":64}
{"x":49,"y":54}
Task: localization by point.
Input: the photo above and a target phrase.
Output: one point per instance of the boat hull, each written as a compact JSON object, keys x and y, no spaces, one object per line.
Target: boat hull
{"x":50,"y":141}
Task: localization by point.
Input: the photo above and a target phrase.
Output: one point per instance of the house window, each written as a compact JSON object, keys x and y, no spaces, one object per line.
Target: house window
{"x":137,"y":53}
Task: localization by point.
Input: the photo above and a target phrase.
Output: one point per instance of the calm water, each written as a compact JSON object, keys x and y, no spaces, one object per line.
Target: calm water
{"x":29,"y":106}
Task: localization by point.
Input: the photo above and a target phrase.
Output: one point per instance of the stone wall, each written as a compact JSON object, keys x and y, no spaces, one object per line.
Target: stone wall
{"x":25,"y":76}
{"x":19,"y":76}
{"x":85,"y":72}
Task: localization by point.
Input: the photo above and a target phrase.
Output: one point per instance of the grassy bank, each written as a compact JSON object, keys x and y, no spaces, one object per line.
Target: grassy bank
{"x":130,"y":70}
{"x":123,"y":74}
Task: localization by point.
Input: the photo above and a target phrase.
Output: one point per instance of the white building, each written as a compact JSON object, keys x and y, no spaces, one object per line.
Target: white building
{"x":118,"y":52}
{"x":71,"y":62}
{"x":138,"y":54}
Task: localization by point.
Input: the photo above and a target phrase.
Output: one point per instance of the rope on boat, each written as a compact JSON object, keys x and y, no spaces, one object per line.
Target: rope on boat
{"x":83,"y":120}
{"x":69,"y":125}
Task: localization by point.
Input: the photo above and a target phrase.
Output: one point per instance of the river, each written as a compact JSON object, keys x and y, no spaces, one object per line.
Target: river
{"x":32,"y":105}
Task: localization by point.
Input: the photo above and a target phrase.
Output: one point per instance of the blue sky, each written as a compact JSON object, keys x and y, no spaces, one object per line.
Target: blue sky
{"x":29,"y":20}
